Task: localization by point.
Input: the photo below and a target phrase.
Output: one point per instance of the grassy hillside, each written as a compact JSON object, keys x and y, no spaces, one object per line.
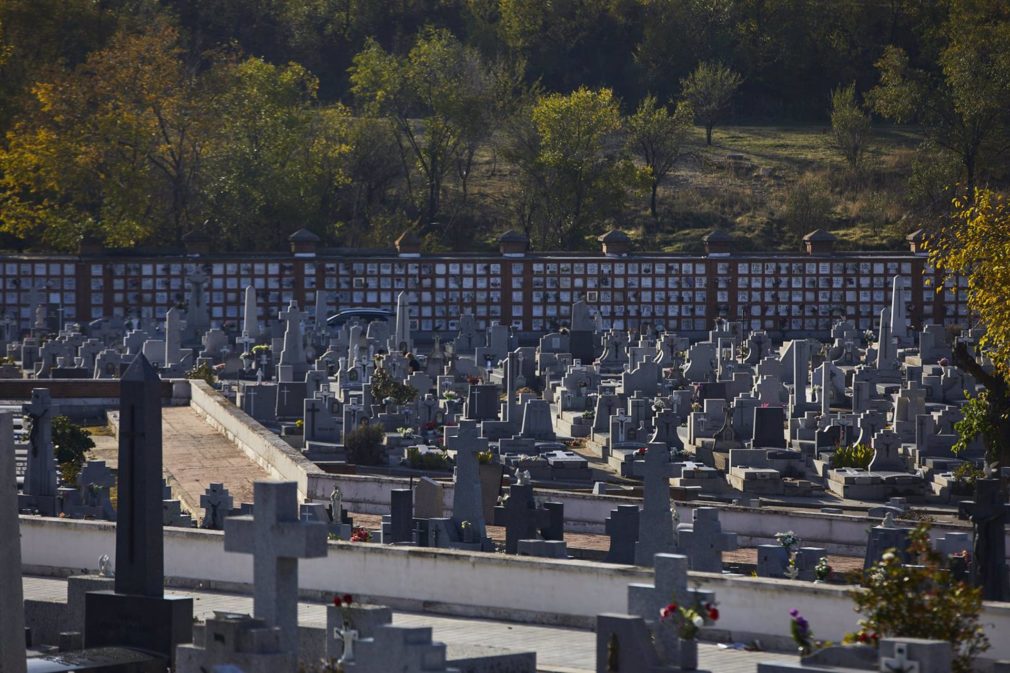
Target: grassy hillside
{"x":766,"y":185}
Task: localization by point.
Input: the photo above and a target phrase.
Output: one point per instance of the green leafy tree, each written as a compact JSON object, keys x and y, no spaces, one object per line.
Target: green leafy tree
{"x":709,"y":90}
{"x":274,"y":156}
{"x":582,"y":183}
{"x":364,"y":445}
{"x":923,"y":600}
{"x":958,"y":88}
{"x":658,"y":139}
{"x":384,"y":385}
{"x":441,"y":82}
{"x":850,"y":127}
{"x":71,"y":444}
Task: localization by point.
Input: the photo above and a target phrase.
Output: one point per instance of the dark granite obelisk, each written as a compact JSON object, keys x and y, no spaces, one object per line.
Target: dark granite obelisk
{"x":140,"y":568}
{"x":137,"y":614}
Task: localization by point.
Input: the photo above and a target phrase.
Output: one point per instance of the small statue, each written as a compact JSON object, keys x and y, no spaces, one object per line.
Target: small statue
{"x":105,"y":566}
{"x":336,"y":505}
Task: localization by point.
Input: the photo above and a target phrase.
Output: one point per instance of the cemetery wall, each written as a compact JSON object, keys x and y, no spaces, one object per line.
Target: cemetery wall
{"x":585,"y":513}
{"x":489,"y":585}
{"x":261,"y":445}
{"x":785,"y":294}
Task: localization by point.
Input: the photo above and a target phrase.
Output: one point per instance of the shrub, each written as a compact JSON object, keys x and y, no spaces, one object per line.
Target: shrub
{"x":70,"y":443}
{"x":856,"y":455}
{"x":203,"y":372}
{"x":923,"y":600}
{"x":807,"y":205}
{"x":429,"y":460}
{"x":364,"y":445}
{"x":383,"y":386}
{"x":966,"y":474}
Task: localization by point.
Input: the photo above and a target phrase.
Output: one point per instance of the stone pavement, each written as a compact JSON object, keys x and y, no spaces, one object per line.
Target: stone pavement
{"x":559,"y":650}
{"x":195,"y":455}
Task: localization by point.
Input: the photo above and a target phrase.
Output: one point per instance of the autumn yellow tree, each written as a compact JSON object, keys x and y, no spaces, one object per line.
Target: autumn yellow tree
{"x":975,"y":245}
{"x":583,"y":179}
{"x":111,"y":148}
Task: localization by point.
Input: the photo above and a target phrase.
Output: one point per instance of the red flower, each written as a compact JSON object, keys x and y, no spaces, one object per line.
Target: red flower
{"x":668,"y":611}
{"x":641,"y":451}
{"x":336,"y":601}
{"x":713,"y":613}
{"x":348,"y":599}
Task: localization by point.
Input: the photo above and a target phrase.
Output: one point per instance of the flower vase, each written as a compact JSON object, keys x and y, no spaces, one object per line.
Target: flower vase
{"x":688,"y":654}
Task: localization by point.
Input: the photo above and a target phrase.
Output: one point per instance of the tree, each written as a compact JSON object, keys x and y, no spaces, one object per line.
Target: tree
{"x":273,"y":155}
{"x":849,"y":125}
{"x":440,"y":81}
{"x":922,"y":599}
{"x":959,"y":90}
{"x":658,"y":138}
{"x":111,"y":148}
{"x":975,"y":245}
{"x":582,"y":182}
{"x":71,"y":444}
{"x":709,"y":90}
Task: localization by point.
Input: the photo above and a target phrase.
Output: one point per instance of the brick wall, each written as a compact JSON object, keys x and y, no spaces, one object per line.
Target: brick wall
{"x":788,"y":294}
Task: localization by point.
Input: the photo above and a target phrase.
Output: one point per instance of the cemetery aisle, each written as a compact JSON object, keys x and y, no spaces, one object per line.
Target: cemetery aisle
{"x":559,"y":650}
{"x":196,"y":455}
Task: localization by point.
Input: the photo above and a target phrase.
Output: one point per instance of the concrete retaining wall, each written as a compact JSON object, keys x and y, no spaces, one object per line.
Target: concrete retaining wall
{"x":584,"y":513}
{"x":490,"y":585}
{"x":261,"y":446}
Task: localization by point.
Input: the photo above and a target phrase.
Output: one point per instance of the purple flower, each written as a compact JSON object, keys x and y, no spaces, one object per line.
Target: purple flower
{"x":794,"y":613}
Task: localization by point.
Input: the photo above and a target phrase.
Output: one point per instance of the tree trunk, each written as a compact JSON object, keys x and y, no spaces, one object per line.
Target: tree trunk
{"x":708,"y":134}
{"x":652,"y":199}
{"x":999,"y":398}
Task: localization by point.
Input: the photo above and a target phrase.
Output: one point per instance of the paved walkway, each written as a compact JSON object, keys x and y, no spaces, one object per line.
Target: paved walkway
{"x":559,"y":650}
{"x":195,"y":454}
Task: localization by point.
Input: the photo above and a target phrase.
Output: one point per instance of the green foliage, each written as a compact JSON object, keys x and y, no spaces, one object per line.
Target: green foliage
{"x":977,"y":422}
{"x":957,"y":86}
{"x":485,"y":457}
{"x":807,"y":205}
{"x":203,"y":372}
{"x":854,"y":455}
{"x":923,"y":600}
{"x":709,"y":90}
{"x":383,"y":386}
{"x":429,"y":460}
{"x":850,"y":127}
{"x":71,"y":443}
{"x":577,"y":183}
{"x":967,"y":474}
{"x":658,"y":139}
{"x":364,"y":445}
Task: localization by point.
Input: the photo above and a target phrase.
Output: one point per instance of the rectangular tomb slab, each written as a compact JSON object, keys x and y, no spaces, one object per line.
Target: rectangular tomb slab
{"x":147,"y":623}
{"x":102,"y":659}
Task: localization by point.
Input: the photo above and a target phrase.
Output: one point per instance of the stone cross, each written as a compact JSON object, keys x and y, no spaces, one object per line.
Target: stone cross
{"x":988,"y":515}
{"x":276,"y":538}
{"x":655,"y":534}
{"x":467,"y":504}
{"x":217,"y":503}
{"x":197,"y":314}
{"x":12,"y":615}
{"x":40,"y":471}
{"x":139,"y":543}
{"x":703,"y":541}
{"x":293,"y":352}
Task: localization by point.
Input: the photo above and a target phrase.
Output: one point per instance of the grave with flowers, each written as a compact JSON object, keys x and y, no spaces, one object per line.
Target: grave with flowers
{"x":660,"y":630}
